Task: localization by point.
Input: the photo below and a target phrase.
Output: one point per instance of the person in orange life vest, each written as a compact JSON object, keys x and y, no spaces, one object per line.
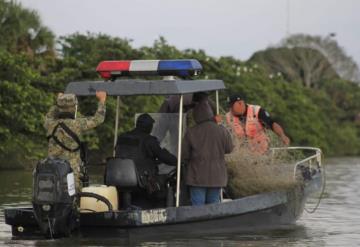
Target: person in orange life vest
{"x":249,"y":121}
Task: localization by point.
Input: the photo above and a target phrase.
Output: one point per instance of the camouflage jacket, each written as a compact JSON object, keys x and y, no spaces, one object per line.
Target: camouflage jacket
{"x":77,"y":125}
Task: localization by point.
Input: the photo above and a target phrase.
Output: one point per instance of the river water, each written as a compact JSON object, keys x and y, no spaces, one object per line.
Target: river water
{"x":335,"y":223}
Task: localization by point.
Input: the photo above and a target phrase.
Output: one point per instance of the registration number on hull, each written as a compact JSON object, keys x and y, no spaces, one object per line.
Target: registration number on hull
{"x":153,"y":216}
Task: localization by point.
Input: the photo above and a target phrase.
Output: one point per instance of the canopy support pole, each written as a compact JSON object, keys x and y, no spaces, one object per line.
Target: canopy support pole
{"x":179,"y":150}
{"x":116,"y":123}
{"x":217,"y":113}
{"x":217,"y":102}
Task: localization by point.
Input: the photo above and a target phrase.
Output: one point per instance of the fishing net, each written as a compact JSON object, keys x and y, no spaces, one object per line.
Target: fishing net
{"x":251,"y":173}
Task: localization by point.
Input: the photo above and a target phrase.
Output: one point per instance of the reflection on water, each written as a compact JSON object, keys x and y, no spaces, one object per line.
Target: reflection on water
{"x":335,"y":223}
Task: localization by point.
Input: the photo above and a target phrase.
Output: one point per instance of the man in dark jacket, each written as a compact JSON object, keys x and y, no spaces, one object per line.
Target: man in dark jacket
{"x":144,"y":149}
{"x":203,"y":151}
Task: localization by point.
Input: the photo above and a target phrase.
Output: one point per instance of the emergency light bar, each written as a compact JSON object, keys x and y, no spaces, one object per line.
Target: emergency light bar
{"x":181,"y":68}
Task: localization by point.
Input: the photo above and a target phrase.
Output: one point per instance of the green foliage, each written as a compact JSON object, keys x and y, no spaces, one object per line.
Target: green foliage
{"x":344,"y":65}
{"x":21,"y":31}
{"x":83,"y":52}
{"x":22,"y":108}
{"x":322,"y":116}
{"x":296,"y":64}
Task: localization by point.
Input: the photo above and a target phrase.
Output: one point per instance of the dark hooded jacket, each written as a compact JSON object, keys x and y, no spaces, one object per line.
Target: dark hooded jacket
{"x":204,"y":148}
{"x":142,"y":147}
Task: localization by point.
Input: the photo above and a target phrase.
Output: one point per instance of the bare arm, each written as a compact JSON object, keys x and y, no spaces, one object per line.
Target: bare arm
{"x":280,"y":132}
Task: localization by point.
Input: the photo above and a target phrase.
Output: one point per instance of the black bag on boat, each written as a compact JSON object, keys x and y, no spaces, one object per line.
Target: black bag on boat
{"x":53,"y":197}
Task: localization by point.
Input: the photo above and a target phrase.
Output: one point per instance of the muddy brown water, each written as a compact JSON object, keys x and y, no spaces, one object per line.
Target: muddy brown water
{"x":335,"y":223}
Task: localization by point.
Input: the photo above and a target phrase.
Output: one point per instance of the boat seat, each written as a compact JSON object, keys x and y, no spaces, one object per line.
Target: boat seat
{"x":121,"y":173}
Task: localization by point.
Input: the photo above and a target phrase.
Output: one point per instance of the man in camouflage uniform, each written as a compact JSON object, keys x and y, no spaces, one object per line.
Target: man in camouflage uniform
{"x":65,"y":112}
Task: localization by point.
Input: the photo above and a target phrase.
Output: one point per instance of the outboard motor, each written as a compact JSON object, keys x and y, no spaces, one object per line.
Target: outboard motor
{"x":53,"y":197}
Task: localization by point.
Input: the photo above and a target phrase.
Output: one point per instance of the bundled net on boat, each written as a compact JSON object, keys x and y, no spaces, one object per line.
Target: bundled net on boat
{"x":251,"y":173}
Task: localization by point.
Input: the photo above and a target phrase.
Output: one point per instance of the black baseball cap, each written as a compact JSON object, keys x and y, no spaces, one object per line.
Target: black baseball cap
{"x":235,"y":97}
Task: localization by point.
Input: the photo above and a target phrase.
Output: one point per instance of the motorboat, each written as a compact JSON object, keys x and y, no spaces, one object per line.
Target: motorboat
{"x":263,"y":210}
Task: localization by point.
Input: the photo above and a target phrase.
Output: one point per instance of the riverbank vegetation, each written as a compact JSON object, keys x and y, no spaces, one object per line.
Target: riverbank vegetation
{"x":297,"y":85}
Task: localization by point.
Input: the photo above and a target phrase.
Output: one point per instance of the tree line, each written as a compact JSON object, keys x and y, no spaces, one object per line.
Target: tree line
{"x":298,"y":85}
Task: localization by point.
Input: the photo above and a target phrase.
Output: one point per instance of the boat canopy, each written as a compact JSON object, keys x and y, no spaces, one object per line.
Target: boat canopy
{"x":143,"y":87}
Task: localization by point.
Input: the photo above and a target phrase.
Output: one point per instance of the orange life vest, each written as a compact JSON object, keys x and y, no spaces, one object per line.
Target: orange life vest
{"x":253,"y":129}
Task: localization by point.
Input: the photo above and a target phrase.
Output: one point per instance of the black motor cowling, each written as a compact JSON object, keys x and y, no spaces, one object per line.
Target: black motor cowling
{"x":53,"y":197}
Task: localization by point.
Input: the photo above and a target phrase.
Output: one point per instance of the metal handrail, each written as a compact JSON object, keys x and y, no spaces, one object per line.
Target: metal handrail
{"x":316,"y":156}
{"x":294,"y":148}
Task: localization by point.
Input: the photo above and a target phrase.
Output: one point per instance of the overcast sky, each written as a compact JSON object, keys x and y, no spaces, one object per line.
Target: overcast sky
{"x":220,"y":27}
